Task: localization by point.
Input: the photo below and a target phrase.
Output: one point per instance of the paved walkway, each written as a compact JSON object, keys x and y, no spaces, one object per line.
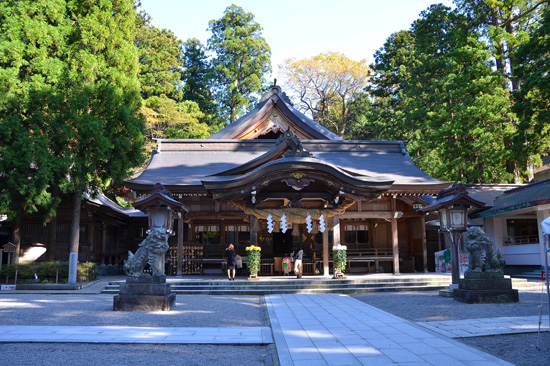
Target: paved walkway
{"x":488,"y":326}
{"x":155,"y":335}
{"x":333,"y":329}
{"x":321,"y":329}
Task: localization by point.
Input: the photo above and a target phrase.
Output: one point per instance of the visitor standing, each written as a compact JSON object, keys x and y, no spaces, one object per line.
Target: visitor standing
{"x":298,"y":262}
{"x":239,"y":264}
{"x":230,"y":254}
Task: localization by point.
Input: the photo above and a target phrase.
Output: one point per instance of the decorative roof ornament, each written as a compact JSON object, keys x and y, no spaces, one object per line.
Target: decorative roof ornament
{"x":276,"y":89}
{"x":293,"y":141}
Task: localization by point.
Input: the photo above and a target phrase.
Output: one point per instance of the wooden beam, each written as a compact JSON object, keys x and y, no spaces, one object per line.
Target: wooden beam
{"x":367,"y":215}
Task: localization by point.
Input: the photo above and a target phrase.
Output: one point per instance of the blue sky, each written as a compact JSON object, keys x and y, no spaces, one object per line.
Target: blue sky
{"x":298,"y":28}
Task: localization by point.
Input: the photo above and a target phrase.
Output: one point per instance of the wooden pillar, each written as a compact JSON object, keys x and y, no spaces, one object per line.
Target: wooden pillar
{"x":424,"y":246}
{"x":395,"y":245}
{"x":394,"y":238}
{"x":179,"y":260}
{"x":1,"y":254}
{"x":253,"y":234}
{"x":336,"y":230}
{"x":103,"y":243}
{"x":326,"y":268}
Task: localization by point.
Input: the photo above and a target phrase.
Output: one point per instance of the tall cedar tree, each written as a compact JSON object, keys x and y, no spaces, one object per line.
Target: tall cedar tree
{"x":532,"y":101}
{"x":198,"y":79}
{"x":160,"y":60}
{"x":243,"y":57}
{"x":69,"y":69}
{"x":437,"y":84}
{"x":102,"y":100}
{"x":505,"y":25}
{"x":33,"y":36}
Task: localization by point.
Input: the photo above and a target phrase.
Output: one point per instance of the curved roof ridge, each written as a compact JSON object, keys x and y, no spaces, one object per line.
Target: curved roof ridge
{"x":263,"y":108}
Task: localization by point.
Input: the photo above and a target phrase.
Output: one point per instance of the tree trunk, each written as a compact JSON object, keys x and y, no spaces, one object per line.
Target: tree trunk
{"x":17,"y":234}
{"x":500,"y":53}
{"x":52,"y":239}
{"x":75,"y":235}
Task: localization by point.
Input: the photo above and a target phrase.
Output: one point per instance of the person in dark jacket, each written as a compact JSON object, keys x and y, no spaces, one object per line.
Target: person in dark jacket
{"x":230,"y":255}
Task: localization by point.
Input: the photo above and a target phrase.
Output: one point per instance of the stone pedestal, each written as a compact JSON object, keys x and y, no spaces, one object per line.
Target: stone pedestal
{"x":145,"y":293}
{"x":485,"y":287}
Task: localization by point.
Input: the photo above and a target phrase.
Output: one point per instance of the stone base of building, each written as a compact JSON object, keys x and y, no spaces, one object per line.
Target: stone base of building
{"x":481,"y":287}
{"x":145,"y":293}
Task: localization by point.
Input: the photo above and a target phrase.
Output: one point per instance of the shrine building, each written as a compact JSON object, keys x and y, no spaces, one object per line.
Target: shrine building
{"x":276,"y":179}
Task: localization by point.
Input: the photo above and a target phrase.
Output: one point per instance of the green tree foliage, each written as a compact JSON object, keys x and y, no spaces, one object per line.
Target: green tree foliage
{"x":326,"y":84}
{"x":103,"y":98}
{"x":505,"y":25}
{"x":32,"y":39}
{"x":434,"y":86}
{"x":166,"y":118}
{"x":69,"y":102}
{"x":532,"y":101}
{"x":198,"y":78}
{"x":243,"y":57}
{"x":160,"y":60}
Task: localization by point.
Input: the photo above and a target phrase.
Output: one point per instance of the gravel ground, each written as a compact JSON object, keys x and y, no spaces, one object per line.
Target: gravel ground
{"x":97,"y":310}
{"x":519,"y":349}
{"x":229,"y":311}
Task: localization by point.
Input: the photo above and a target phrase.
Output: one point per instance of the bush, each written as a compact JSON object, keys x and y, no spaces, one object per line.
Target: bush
{"x":45,"y":271}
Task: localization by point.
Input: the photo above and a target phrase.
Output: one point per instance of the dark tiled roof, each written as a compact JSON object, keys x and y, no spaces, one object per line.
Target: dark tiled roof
{"x":187,"y":162}
{"x":487,"y":193}
{"x":101,"y":200}
{"x":533,"y":194}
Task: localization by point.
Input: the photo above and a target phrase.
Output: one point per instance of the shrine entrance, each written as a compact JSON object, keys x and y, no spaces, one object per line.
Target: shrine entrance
{"x":295,"y":196}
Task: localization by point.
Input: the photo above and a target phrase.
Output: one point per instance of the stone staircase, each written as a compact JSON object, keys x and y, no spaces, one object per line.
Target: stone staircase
{"x":532,"y":275}
{"x":294,"y":286}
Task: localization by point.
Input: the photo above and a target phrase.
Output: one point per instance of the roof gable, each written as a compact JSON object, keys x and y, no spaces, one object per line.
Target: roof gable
{"x":274,"y":114}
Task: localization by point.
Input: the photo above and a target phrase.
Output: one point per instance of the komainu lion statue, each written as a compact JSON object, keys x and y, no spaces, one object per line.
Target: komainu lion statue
{"x":150,"y":252}
{"x":482,"y":256}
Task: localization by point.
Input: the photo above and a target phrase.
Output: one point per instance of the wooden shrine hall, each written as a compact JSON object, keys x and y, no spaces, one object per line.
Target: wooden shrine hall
{"x":276,"y":179}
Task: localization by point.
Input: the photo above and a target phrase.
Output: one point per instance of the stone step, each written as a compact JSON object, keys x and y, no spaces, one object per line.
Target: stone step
{"x":297,"y":286}
{"x":259,"y":286}
{"x":274,"y":291}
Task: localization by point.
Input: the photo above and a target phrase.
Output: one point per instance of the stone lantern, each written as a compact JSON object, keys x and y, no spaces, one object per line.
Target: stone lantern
{"x":161,"y":209}
{"x":144,"y":292}
{"x":452,"y":205}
